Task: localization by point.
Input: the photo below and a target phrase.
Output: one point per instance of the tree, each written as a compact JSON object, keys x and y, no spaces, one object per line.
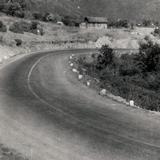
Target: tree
{"x":146,"y":23}
{"x":148,"y":57}
{"x":105,"y":57}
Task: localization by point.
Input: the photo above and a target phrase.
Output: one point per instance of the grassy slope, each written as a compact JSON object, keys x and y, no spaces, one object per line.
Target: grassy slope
{"x":130,"y":9}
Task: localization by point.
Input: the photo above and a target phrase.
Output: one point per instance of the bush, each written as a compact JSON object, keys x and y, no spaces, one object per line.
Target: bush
{"x":36,"y":28}
{"x":11,"y":8}
{"x":135,"y":77}
{"x":18,"y":42}
{"x":37,"y":15}
{"x":34,"y":25}
{"x":16,"y":28}
{"x":23,"y":26}
{"x":3,"y":28}
{"x":105,"y":57}
{"x":148,"y":57}
{"x":71,"y":21}
{"x":19,"y":14}
{"x":1,"y":7}
{"x":118,"y":24}
{"x":15,"y":8}
{"x":146,"y":23}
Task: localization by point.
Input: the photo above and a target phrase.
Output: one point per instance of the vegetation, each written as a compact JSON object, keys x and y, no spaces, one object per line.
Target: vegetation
{"x":15,"y":8}
{"x":3,"y":28}
{"x":18,"y":42}
{"x":23,"y":26}
{"x":135,"y":77}
{"x":118,"y":24}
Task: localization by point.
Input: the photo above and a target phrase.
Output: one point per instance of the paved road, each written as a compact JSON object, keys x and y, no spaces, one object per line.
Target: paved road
{"x":46,"y":113}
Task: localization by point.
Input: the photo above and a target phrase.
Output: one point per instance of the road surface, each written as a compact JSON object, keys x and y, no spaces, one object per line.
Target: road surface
{"x":47,"y":114}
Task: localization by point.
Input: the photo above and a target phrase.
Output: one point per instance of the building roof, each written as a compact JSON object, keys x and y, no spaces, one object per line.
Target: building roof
{"x":96,"y":19}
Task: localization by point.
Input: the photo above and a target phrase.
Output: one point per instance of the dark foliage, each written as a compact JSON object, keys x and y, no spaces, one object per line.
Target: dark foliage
{"x":37,"y":15}
{"x":16,"y":28}
{"x":148,"y":57}
{"x":105,"y":57}
{"x":135,"y":77}
{"x":71,"y":21}
{"x":146,"y":23}
{"x":14,"y":8}
{"x":118,"y":24}
{"x":23,"y":26}
{"x":18,"y":42}
{"x":3,"y":28}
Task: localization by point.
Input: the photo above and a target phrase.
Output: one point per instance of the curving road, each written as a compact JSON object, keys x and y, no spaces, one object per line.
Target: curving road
{"x":45,"y":113}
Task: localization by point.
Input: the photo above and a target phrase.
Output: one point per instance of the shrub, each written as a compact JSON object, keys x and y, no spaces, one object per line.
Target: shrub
{"x":135,"y":77}
{"x":148,"y":57}
{"x":23,"y":26}
{"x":34,"y":25}
{"x":37,"y":15}
{"x":16,"y":28}
{"x":19,"y":14}
{"x":2,"y":6}
{"x":18,"y":42}
{"x":146,"y":23}
{"x":36,"y":28}
{"x":11,"y":8}
{"x":105,"y":57}
{"x":118,"y":24}
{"x":3,"y":28}
{"x":71,"y":21}
{"x":15,"y":8}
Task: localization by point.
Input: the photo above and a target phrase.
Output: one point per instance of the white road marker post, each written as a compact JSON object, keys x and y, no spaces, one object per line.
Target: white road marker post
{"x":80,"y":76}
{"x":71,"y":64}
{"x":88,"y":83}
{"x":70,"y":57}
{"x":74,"y":70}
{"x":131,"y":103}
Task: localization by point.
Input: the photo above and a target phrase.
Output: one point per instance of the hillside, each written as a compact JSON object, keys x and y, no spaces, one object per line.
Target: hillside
{"x":129,"y":9}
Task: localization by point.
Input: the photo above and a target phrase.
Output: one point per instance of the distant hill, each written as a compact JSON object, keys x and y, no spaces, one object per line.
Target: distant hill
{"x":126,"y":9}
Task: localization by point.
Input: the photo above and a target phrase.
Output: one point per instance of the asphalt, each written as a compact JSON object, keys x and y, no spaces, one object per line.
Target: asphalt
{"x":46,"y":113}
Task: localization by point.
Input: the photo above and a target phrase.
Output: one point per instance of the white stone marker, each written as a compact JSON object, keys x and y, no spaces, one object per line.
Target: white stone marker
{"x":74,"y":70}
{"x":70,"y":57}
{"x":80,"y":76}
{"x":103,"y":92}
{"x":5,"y":57}
{"x":131,"y":103}
{"x":71,"y":64}
{"x":88,"y":83}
